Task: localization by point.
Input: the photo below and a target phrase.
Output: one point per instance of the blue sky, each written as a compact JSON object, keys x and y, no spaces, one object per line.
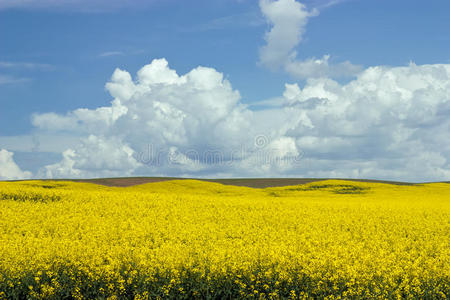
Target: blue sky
{"x":58,"y":59}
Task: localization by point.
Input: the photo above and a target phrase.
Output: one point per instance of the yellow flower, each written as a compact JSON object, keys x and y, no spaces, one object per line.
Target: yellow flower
{"x":344,"y":239}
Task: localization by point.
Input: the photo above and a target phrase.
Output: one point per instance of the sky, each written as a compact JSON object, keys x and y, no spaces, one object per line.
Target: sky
{"x":225,"y":88}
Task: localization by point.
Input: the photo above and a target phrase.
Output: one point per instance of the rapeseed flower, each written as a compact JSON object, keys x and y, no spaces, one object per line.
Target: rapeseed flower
{"x":331,"y":239}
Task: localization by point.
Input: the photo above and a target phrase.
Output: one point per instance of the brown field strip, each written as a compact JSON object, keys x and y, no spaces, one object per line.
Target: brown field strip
{"x":248,"y":182}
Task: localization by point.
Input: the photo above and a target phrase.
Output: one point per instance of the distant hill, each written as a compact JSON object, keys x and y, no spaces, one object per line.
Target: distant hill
{"x":249,"y":182}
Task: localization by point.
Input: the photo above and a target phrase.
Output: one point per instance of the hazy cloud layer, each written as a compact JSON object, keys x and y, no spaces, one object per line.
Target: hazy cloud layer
{"x":74,"y":5}
{"x":25,"y":65}
{"x":8,"y":79}
{"x":7,"y":66}
{"x":111,"y":53}
{"x":236,"y":21}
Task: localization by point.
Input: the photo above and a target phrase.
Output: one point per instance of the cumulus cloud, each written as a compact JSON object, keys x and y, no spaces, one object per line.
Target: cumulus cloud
{"x":388,"y":123}
{"x":9,"y":169}
{"x":288,"y":20}
{"x":94,"y":157}
{"x":161,"y":122}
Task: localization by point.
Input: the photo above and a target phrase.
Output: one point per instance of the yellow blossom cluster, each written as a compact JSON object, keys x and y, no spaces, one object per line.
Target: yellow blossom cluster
{"x":192,"y":239}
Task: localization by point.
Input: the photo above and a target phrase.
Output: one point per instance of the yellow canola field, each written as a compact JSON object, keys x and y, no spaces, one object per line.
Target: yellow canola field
{"x":191,"y":239}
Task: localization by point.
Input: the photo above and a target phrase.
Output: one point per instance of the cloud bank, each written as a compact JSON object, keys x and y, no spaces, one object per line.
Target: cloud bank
{"x":163,"y":123}
{"x":385,"y":123}
{"x":389,"y":123}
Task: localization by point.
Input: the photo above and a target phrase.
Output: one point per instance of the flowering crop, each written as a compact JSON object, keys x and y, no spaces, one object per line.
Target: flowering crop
{"x":191,"y":239}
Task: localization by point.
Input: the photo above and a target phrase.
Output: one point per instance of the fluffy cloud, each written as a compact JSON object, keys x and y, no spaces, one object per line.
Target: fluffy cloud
{"x":388,"y":123}
{"x":9,"y":169}
{"x":288,"y":19}
{"x":163,"y":123}
{"x":94,"y":157}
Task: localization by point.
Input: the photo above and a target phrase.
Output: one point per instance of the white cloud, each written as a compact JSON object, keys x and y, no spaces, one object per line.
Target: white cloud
{"x":288,"y":19}
{"x":314,"y":68}
{"x":7,"y":79}
{"x":9,"y":169}
{"x":94,"y":157}
{"x":242,"y":20}
{"x":323,"y":4}
{"x":192,"y":115}
{"x":74,"y":5}
{"x":11,"y":79}
{"x":111,"y":53}
{"x":39,"y":142}
{"x":25,"y":65}
{"x":388,"y":123}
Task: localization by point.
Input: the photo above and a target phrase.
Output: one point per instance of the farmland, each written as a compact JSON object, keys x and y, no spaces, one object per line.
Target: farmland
{"x":196,"y":239}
